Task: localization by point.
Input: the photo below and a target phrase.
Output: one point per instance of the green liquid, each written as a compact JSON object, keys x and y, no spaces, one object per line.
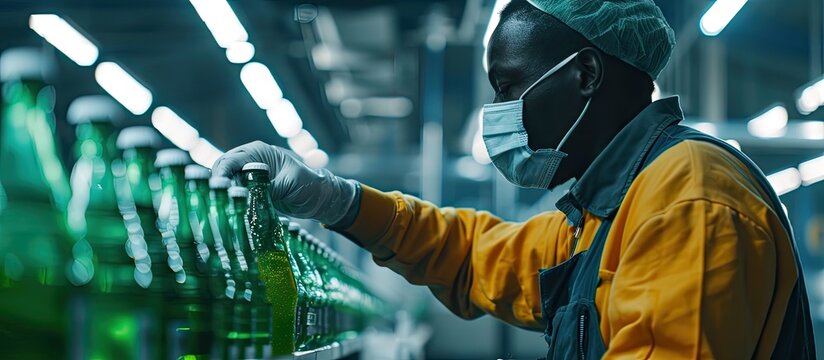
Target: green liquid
{"x":281,"y":293}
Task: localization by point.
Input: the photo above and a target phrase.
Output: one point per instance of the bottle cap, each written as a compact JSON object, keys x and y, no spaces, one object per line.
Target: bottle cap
{"x":196,"y":172}
{"x":293,"y":226}
{"x":255,"y":166}
{"x":94,"y":108}
{"x":138,"y":136}
{"x":220,"y":182}
{"x":238,"y":192}
{"x":172,"y":157}
{"x":24,"y":63}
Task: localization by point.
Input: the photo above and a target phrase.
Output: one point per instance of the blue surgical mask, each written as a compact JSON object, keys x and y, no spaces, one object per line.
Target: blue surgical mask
{"x":508,"y":146}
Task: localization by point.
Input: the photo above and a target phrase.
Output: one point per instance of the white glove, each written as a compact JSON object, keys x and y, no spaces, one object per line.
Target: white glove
{"x":297,"y":190}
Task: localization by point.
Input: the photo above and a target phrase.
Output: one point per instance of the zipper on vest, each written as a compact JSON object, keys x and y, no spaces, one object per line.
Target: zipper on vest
{"x":575,"y":236}
{"x":582,"y":333}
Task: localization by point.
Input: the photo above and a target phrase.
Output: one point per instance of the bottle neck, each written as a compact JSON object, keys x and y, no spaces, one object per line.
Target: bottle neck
{"x":218,"y":206}
{"x":263,"y":227}
{"x":138,"y":168}
{"x":30,"y":167}
{"x":174,"y":192}
{"x":238,"y":214}
{"x":94,"y":151}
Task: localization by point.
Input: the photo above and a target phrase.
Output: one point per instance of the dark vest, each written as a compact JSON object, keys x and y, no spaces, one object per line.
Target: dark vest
{"x":568,"y":289}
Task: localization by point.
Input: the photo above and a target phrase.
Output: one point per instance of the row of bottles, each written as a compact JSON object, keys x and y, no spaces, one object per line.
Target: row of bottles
{"x":141,"y":254}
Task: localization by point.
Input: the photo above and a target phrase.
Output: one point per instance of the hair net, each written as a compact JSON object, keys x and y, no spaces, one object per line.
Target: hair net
{"x":634,"y":31}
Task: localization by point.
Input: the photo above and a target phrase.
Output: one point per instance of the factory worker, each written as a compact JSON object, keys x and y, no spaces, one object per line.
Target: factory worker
{"x":671,"y":244}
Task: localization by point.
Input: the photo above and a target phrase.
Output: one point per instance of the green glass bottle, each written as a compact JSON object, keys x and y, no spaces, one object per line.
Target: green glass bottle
{"x":114,"y":318}
{"x":302,"y":341}
{"x":35,"y":247}
{"x":225,"y":285}
{"x":267,"y":240}
{"x":135,"y":182}
{"x":188,"y":308}
{"x":253,"y":288}
{"x":315,"y":317}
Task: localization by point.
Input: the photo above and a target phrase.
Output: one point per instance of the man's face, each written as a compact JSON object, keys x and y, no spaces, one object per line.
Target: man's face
{"x":517,"y":57}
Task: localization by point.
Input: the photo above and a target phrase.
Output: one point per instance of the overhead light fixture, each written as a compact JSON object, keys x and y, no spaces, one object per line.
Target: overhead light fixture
{"x":811,"y":98}
{"x":719,"y":15}
{"x":221,"y":21}
{"x":65,"y":38}
{"x":769,"y":124}
{"x":285,"y":119}
{"x":260,"y":83}
{"x":204,"y":153}
{"x":734,"y":143}
{"x":174,"y":128}
{"x":240,"y":52}
{"x":123,"y":87}
{"x":316,"y":159}
{"x":706,"y":127}
{"x":812,"y":130}
{"x":785,"y":180}
{"x":812,"y":171}
{"x":302,"y":143}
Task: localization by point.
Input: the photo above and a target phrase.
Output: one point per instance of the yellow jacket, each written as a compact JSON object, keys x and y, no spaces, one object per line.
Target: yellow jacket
{"x":696,"y":263}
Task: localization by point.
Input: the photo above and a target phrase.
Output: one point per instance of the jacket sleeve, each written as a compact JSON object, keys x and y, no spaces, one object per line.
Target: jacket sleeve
{"x":472,"y":261}
{"x":695,"y":281}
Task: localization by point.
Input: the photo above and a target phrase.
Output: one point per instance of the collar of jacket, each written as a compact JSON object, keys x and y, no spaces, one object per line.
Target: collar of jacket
{"x":605,"y":183}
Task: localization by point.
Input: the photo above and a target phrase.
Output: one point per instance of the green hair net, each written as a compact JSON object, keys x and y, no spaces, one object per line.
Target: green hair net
{"x":634,"y":31}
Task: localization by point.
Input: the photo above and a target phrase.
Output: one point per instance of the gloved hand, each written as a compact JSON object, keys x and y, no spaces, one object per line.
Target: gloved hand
{"x":297,"y":190}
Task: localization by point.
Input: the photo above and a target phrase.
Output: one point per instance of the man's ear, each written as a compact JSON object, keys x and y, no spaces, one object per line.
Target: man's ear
{"x":590,"y":64}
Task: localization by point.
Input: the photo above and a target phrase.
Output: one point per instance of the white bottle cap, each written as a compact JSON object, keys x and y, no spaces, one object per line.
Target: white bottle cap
{"x":94,"y":108}
{"x":220,"y":182}
{"x":238,"y":192}
{"x":196,"y":172}
{"x":138,"y":136}
{"x":172,"y":157}
{"x":293,"y":226}
{"x":24,"y":63}
{"x":255,"y":166}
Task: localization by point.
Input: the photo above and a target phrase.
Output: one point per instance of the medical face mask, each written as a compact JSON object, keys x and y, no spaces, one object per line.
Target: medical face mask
{"x":507,"y":143}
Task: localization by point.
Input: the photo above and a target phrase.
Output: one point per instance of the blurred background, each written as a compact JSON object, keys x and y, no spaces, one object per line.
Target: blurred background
{"x":388,"y":93}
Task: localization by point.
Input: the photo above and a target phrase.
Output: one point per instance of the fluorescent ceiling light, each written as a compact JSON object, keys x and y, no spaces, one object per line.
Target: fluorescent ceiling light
{"x":204,"y":153}
{"x":734,"y":143}
{"x":771,"y":123}
{"x":812,"y":171}
{"x":260,"y":83}
{"x":706,"y":127}
{"x":123,"y":87}
{"x":812,"y":130}
{"x":719,"y":15}
{"x":302,"y":143}
{"x":316,"y":159}
{"x":221,"y":21}
{"x":65,"y":38}
{"x":174,"y":128}
{"x":285,"y":119}
{"x":240,"y":52}
{"x":811,"y":98}
{"x":785,"y":181}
